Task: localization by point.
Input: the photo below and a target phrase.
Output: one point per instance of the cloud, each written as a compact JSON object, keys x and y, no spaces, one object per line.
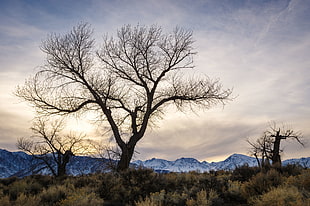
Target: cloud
{"x":209,"y":138}
{"x":264,"y":62}
{"x":203,"y":138}
{"x":260,"y":48}
{"x":12,"y":127}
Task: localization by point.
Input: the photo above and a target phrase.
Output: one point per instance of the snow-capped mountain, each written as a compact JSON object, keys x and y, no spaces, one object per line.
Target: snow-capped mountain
{"x":12,"y":162}
{"x":233,"y":161}
{"x":190,"y":164}
{"x":179,"y":165}
{"x":20,"y":164}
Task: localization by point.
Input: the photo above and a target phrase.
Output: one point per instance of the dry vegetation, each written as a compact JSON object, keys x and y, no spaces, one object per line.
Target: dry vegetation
{"x":143,"y":187}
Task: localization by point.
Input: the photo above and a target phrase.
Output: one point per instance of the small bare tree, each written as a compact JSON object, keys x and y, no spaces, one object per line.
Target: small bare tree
{"x":261,"y":149}
{"x":52,"y":147}
{"x":128,"y":82}
{"x":267,"y":147}
{"x":279,"y":134}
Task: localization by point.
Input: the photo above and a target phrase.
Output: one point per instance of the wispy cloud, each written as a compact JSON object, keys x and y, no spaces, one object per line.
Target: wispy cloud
{"x":260,"y":48}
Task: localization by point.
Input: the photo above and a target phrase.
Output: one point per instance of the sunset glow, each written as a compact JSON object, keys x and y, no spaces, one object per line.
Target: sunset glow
{"x":259,"y":48}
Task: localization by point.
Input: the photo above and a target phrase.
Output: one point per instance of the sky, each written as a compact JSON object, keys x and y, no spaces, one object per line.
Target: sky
{"x":259,"y":48}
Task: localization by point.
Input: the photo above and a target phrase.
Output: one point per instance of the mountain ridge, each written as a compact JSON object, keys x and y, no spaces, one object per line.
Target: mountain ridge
{"x":21,"y":164}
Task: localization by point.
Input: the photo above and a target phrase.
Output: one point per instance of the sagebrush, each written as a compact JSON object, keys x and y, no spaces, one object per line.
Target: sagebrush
{"x":144,"y":187}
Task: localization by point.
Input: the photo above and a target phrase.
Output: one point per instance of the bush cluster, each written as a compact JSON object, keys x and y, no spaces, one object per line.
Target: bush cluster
{"x":143,"y":187}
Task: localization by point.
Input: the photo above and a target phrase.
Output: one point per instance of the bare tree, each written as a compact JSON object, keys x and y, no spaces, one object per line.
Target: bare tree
{"x":279,"y":134}
{"x":51,"y":146}
{"x":268,"y":145}
{"x":128,"y":82}
{"x":261,"y":149}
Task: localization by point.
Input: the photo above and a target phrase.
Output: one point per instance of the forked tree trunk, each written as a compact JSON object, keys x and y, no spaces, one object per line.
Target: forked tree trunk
{"x":61,"y":170}
{"x":276,"y":159}
{"x":126,"y":156}
{"x":63,"y":160}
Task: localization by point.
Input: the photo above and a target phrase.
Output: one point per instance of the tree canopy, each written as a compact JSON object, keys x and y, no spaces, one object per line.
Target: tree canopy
{"x":128,"y":80}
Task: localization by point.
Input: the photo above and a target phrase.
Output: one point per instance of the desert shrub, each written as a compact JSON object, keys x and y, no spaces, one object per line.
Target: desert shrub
{"x":2,"y":189}
{"x":291,"y":170}
{"x":33,"y":188}
{"x":244,"y":173}
{"x":233,"y":193}
{"x":175,"y":198}
{"x":141,"y":181}
{"x":184,"y":182}
{"x":155,"y":199}
{"x":179,"y":182}
{"x":128,"y":186}
{"x":35,"y":184}
{"x":8,"y":181}
{"x":301,"y":181}
{"x":145,"y":187}
{"x":148,"y":202}
{"x":83,"y":181}
{"x":81,"y":197}
{"x":182,"y":186}
{"x":27,"y":186}
{"x":261,"y":183}
{"x":43,"y":180}
{"x":200,"y":200}
{"x":5,"y":201}
{"x":170,"y":182}
{"x":281,"y":196}
{"x":204,"y":199}
{"x":16,"y":188}
{"x":192,"y":183}
{"x":217,"y":182}
{"x":111,"y":188}
{"x":163,"y":198}
{"x":30,"y":185}
{"x":53,"y":195}
{"x":26,"y":200}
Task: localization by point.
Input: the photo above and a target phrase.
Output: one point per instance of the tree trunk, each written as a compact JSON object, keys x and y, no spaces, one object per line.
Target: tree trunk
{"x":276,"y":159}
{"x":126,"y":156}
{"x":63,"y":160}
{"x":258,"y":162}
{"x":61,"y":170}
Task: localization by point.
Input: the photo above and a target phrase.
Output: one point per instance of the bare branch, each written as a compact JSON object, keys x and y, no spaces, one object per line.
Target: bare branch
{"x":268,"y":145}
{"x":51,"y":146}
{"x":128,"y":82}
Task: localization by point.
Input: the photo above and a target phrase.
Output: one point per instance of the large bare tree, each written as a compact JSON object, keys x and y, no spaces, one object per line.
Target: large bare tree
{"x":127,"y":82}
{"x":51,"y":146}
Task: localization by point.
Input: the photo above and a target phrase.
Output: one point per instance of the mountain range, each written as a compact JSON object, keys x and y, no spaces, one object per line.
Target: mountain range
{"x":191,"y":164}
{"x":21,"y":164}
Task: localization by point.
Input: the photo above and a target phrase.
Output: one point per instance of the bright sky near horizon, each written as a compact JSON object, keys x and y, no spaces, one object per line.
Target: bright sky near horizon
{"x":259,"y":48}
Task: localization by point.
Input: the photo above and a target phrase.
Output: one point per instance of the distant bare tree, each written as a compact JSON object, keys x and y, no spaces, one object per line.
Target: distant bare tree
{"x":128,"y":82}
{"x":267,"y":147}
{"x":51,"y":146}
{"x":261,"y":149}
{"x":279,"y":134}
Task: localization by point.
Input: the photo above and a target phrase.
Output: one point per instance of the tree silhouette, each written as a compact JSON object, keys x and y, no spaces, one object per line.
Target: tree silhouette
{"x":50,"y":146}
{"x":267,"y":147}
{"x":128,"y":82}
{"x":262,"y":149}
